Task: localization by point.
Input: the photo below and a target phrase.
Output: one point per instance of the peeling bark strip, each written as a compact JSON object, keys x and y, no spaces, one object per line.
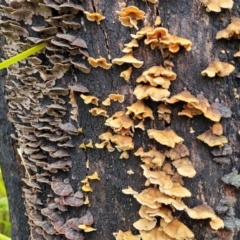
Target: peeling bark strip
{"x":55,"y":130}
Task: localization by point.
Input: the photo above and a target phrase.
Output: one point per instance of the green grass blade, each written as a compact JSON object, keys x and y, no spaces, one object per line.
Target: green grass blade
{"x":22,"y":56}
{"x":3,"y":237}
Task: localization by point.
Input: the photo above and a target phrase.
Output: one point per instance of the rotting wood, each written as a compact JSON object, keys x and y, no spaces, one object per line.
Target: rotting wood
{"x":188,"y":19}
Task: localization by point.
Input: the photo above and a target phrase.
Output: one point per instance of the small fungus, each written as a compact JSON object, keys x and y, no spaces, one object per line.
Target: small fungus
{"x":222,"y":69}
{"x":152,"y":159}
{"x":61,"y":188}
{"x":94,"y":176}
{"x":217,"y":129}
{"x":99,"y":62}
{"x":145,"y":224}
{"x":164,"y":113}
{"x":184,"y":167}
{"x":98,"y":112}
{"x":129,"y":190}
{"x":142,"y":32}
{"x":128,"y":58}
{"x":124,"y":155}
{"x":237,"y":54}
{"x":232,"y":30}
{"x":107,"y":102}
{"x":130,"y":45}
{"x":117,"y":97}
{"x":176,"y":191}
{"x":130,"y":15}
{"x":89,"y":99}
{"x":130,"y":172}
{"x":176,"y":229}
{"x":120,"y":123}
{"x":204,"y":212}
{"x":94,"y":17}
{"x":125,"y":236}
{"x":148,"y":197}
{"x":158,"y":177}
{"x":216,"y":5}
{"x":157,"y":75}
{"x":86,"y":228}
{"x":140,"y":110}
{"x":154,"y":234}
{"x":226,"y":150}
{"x":212,"y":140}
{"x":126,"y":74}
{"x":123,"y":143}
{"x":184,"y":96}
{"x":165,"y":137}
{"x":156,"y":94}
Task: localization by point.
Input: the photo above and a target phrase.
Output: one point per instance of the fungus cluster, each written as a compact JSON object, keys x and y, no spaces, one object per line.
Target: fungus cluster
{"x":217,"y":5}
{"x":163,"y":170}
{"x":37,"y":108}
{"x":44,"y":134}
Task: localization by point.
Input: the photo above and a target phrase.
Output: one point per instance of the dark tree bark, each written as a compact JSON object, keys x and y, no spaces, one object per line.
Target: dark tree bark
{"x":111,"y":209}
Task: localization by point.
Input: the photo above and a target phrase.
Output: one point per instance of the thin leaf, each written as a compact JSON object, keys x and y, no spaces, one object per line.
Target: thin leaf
{"x":21,"y":56}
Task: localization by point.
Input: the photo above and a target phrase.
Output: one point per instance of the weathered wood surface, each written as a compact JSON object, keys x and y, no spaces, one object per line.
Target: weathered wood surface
{"x":111,"y":209}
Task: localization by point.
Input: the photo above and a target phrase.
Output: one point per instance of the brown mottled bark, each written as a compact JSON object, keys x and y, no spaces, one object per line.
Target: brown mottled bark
{"x":111,"y":209}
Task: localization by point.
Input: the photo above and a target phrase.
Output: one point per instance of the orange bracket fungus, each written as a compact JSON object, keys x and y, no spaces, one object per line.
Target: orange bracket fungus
{"x":117,"y":97}
{"x":126,"y":74}
{"x":216,"y":5}
{"x":126,"y":236}
{"x":176,"y":229}
{"x":204,"y":212}
{"x":231,"y":31}
{"x":165,"y":137}
{"x":211,"y":139}
{"x":97,"y":17}
{"x":222,"y":69}
{"x":128,"y":58}
{"x":160,"y":37}
{"x":89,"y":99}
{"x":130,"y":15}
{"x":99,"y":62}
{"x":98,"y":112}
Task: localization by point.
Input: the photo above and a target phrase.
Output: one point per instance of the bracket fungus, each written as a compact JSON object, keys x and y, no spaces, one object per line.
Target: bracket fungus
{"x":120,"y":235}
{"x":176,"y":229}
{"x":222,"y":69}
{"x":212,"y":140}
{"x":152,"y":158}
{"x":128,"y":58}
{"x":89,"y":99}
{"x":184,"y":167}
{"x":216,"y":5}
{"x":140,"y":110}
{"x":204,"y":212}
{"x":94,"y":17}
{"x":165,"y":137}
{"x":157,"y":75}
{"x":130,"y":15}
{"x":160,"y":37}
{"x":99,"y":62}
{"x":156,"y":94}
{"x":126,"y":74}
{"x":98,"y":112}
{"x":231,"y":31}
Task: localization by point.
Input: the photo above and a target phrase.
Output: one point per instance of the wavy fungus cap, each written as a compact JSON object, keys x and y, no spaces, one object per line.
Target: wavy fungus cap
{"x":222,"y":69}
{"x":216,"y":5}
{"x":130,"y":15}
{"x":97,"y":17}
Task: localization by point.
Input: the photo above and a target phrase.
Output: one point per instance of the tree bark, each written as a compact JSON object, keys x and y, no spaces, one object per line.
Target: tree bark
{"x":111,"y":209}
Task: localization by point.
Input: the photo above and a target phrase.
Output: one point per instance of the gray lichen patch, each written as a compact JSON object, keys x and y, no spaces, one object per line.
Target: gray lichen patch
{"x":232,"y":178}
